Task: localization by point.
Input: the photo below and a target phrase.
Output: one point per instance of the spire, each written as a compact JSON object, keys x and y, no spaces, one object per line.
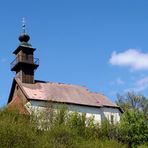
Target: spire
{"x":24,"y":37}
{"x":24,"y":64}
{"x":23,"y":24}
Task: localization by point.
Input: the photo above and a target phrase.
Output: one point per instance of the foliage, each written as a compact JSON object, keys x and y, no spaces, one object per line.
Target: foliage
{"x":133,"y":101}
{"x":16,"y":130}
{"x":133,"y":128}
{"x":58,"y":128}
{"x":65,"y":130}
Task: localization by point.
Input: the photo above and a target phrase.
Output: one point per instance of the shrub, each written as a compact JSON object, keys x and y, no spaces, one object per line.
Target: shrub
{"x":16,"y":130}
{"x":64,"y":131}
{"x":133,"y":128}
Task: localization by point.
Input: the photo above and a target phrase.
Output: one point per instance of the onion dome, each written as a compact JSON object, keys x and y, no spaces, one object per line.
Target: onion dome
{"x":24,"y":37}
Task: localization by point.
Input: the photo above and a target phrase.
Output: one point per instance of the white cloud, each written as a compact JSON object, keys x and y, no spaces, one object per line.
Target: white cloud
{"x":113,"y":93}
{"x":132,"y":58}
{"x":119,"y":81}
{"x":142,"y":84}
{"x":139,"y":85}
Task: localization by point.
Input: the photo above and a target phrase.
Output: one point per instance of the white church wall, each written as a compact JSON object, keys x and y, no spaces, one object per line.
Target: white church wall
{"x":112,"y":113}
{"x":89,"y":111}
{"x":97,"y":113}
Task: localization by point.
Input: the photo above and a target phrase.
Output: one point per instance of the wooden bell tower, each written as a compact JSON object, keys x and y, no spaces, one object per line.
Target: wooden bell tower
{"x":24,"y":64}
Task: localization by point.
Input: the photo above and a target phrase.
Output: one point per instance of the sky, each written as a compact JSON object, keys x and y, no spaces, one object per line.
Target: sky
{"x":100,"y":44}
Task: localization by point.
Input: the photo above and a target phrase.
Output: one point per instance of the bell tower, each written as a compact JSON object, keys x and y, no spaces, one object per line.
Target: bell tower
{"x":24,"y":64}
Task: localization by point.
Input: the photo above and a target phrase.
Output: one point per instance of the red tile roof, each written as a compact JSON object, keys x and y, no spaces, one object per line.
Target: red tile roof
{"x":64,"y":93}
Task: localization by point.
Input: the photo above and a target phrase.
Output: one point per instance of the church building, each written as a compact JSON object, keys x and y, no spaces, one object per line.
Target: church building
{"x":28,"y":94}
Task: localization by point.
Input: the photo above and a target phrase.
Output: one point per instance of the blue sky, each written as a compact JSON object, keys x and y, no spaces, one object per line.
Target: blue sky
{"x":101,"y":44}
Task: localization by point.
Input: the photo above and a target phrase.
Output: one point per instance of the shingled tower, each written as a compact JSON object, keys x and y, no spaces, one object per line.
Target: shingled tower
{"x":24,"y":64}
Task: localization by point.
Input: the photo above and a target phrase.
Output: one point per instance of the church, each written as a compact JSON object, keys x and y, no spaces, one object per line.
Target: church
{"x":28,"y":94}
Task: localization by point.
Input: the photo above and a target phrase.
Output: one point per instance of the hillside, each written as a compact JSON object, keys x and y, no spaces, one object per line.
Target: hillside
{"x":62,"y":130}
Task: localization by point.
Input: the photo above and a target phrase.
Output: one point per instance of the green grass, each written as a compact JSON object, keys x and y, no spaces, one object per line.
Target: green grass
{"x":64,"y":131}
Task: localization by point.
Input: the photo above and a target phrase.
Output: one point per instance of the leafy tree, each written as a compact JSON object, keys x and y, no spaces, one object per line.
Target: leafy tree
{"x":133,"y":101}
{"x":133,"y":128}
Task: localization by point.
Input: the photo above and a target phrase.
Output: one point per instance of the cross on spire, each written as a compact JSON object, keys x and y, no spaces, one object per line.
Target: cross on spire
{"x":24,"y":24}
{"x":24,"y":37}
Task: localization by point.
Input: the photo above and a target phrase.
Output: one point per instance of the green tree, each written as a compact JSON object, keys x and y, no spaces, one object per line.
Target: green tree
{"x":133,"y":128}
{"x":133,"y":101}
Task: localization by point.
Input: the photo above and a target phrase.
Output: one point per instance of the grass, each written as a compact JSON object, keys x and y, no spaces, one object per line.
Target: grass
{"x":64,"y":131}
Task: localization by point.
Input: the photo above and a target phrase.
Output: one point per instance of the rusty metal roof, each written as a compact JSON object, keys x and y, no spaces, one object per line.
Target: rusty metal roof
{"x":64,"y":93}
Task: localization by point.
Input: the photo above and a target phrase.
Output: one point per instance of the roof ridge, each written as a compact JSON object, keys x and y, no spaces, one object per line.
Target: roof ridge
{"x":62,"y":83}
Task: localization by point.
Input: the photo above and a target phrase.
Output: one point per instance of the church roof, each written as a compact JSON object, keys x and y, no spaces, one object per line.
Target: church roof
{"x":63,"y":93}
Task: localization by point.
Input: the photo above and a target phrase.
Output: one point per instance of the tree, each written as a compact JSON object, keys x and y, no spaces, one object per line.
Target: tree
{"x":133,"y":101}
{"x":133,"y":128}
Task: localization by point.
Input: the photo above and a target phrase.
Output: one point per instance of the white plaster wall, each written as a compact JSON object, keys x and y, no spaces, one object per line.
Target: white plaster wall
{"x":96,"y":112}
{"x":112,"y":111}
{"x":89,"y":111}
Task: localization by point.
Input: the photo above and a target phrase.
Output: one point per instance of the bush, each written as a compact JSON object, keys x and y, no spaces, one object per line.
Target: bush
{"x":73,"y":130}
{"x":133,"y":128}
{"x":16,"y":130}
